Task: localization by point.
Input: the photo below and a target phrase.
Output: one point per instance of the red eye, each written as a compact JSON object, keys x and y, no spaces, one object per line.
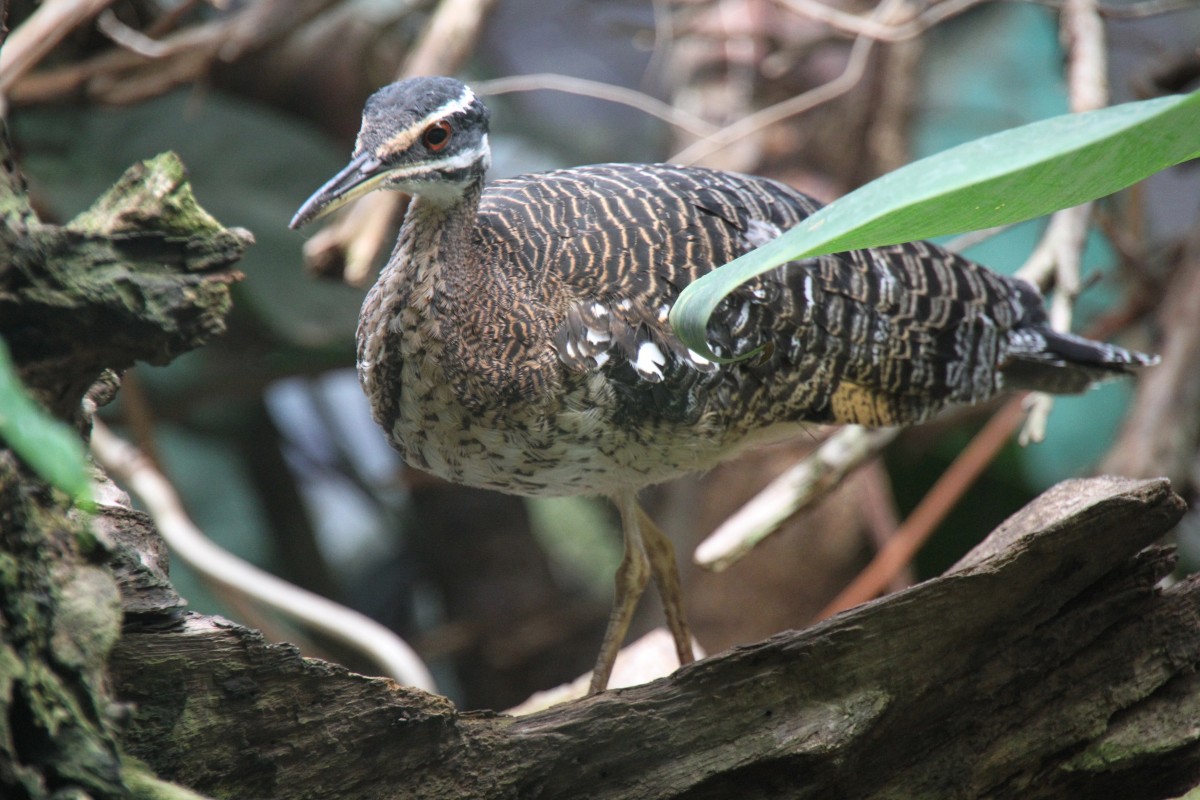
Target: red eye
{"x":437,"y":136}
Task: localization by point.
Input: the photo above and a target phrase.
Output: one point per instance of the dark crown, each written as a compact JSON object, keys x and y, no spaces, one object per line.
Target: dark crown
{"x":401,"y":105}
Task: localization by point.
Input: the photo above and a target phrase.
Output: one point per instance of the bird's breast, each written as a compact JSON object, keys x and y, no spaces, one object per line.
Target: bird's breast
{"x":562,"y":443}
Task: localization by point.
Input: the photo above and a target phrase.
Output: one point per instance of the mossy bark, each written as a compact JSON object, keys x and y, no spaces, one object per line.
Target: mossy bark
{"x":62,"y":615}
{"x":143,"y":275}
{"x":1050,"y":663}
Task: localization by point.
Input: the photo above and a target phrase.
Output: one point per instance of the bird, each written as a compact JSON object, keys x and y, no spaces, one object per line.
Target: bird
{"x":517,"y":339}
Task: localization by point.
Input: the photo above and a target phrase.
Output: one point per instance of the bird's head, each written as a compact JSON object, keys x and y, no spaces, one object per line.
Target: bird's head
{"x":424,"y":136}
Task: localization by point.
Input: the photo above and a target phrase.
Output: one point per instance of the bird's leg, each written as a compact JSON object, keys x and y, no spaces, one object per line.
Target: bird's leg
{"x":648,"y":552}
{"x":665,"y":570}
{"x":631,"y":579}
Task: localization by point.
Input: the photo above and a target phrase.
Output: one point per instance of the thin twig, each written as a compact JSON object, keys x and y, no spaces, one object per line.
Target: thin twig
{"x":874,"y":29}
{"x":123,"y":76}
{"x":378,"y":643}
{"x":124,"y":36}
{"x":1087,"y":66}
{"x":600,"y":91}
{"x":448,"y":38}
{"x":856,"y":66}
{"x":356,"y":237}
{"x":53,"y":21}
{"x":664,"y":40}
{"x":1062,"y":245}
{"x":858,"y":25}
{"x":920,"y":524}
{"x":798,"y":487}
{"x":880,"y":516}
{"x":170,"y":18}
{"x":752,"y":124}
{"x":1057,"y":257}
{"x":965,"y":241}
{"x":1147,"y":8}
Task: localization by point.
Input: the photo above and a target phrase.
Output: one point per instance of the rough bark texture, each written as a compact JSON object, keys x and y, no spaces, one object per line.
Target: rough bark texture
{"x":1049,"y":663}
{"x":144,"y":274}
{"x":61,"y":615}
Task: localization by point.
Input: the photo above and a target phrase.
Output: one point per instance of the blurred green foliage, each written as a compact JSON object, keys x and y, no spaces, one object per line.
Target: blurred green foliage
{"x":47,"y":445}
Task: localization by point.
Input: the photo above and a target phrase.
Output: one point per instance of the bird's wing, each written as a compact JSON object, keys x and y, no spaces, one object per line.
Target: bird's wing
{"x":879,"y":336}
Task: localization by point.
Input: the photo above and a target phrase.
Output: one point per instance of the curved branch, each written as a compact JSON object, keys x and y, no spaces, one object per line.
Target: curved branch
{"x":389,"y":652}
{"x":1046,"y":664}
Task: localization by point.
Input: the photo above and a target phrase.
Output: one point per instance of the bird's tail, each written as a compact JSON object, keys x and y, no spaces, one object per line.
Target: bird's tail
{"x":1045,"y":360}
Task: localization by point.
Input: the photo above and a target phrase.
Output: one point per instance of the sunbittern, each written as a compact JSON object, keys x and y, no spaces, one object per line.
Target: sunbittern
{"x":518,"y":339}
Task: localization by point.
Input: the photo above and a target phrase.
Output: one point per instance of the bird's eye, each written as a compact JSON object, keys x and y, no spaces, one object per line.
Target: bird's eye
{"x":437,"y":136}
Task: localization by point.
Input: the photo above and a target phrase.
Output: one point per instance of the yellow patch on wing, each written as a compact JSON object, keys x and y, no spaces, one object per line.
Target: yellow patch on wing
{"x":859,"y":405}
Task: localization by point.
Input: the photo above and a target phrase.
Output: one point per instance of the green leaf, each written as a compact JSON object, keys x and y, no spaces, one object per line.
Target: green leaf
{"x":1007,"y":177}
{"x":48,"y":446}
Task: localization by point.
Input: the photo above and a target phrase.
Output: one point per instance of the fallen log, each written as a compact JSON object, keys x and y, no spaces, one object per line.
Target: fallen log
{"x":1053,"y":661}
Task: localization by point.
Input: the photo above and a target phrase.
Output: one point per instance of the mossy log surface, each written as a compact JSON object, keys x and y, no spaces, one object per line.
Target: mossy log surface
{"x":145,"y":274}
{"x":1050,"y":663}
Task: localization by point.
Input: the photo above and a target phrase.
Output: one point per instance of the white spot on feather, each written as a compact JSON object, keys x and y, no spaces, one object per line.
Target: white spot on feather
{"x":759,"y":232}
{"x":601,"y":359}
{"x":596,"y":337}
{"x":883,"y":273}
{"x":743,"y":315}
{"x":649,"y":360}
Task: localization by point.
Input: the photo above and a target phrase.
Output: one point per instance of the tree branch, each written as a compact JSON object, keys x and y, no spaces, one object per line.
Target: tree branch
{"x":1046,"y":664}
{"x":143,"y":275}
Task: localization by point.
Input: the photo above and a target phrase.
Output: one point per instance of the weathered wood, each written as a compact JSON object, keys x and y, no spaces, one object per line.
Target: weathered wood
{"x":144,"y":274}
{"x":1047,"y":664}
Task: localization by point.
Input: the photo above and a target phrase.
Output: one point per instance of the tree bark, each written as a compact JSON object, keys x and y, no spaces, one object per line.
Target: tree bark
{"x":144,"y":274}
{"x":1048,"y":663}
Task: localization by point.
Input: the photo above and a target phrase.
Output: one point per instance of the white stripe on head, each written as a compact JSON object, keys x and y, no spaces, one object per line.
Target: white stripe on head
{"x":461,"y":161}
{"x":408,"y":177}
{"x":404,"y":139}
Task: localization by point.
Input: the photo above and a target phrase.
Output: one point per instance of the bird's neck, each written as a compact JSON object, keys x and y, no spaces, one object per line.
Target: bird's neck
{"x":403,"y":316}
{"x":431,"y":255}
{"x":436,"y":235}
{"x":432,"y":250}
{"x":445,"y":305}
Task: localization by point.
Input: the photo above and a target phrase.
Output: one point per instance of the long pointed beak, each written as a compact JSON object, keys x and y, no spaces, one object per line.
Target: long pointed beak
{"x":362,"y":175}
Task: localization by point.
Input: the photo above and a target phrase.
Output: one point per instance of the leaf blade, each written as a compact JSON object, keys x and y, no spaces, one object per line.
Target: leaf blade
{"x":1008,"y":177}
{"x":47,"y":445}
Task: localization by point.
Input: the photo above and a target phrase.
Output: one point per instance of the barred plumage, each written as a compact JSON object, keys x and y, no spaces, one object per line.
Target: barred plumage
{"x":518,"y":337}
